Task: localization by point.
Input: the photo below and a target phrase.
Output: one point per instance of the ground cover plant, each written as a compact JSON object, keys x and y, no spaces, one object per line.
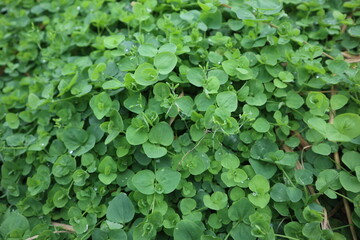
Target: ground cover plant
{"x":179,"y":119}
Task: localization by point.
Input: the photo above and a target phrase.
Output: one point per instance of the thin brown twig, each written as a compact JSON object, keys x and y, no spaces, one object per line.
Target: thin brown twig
{"x":324,"y":53}
{"x":303,"y":143}
{"x":272,"y":25}
{"x":63,"y":226}
{"x":329,"y":56}
{"x":338,"y":166}
{"x":225,"y":5}
{"x":335,"y":209}
{"x":344,"y":27}
{"x":350,"y":58}
{"x":348,"y":55}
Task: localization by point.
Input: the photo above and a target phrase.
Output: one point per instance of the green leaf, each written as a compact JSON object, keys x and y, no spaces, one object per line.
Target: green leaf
{"x":73,"y":138}
{"x":153,"y":150}
{"x":212,"y":20}
{"x":12,"y":120}
{"x":100,"y":104}
{"x":318,"y":103}
{"x":187,"y":230}
{"x":234,"y":177}
{"x":96,"y":71}
{"x":144,"y":231}
{"x":268,"y":7}
{"x":136,"y":136}
{"x":278,"y":193}
{"x":161,"y":91}
{"x":243,"y":13}
{"x":338,"y":101}
{"x":241,"y":210}
{"x":303,"y":177}
{"x":217,"y":200}
{"x":87,"y":146}
{"x":259,"y":184}
{"x":33,"y":101}
{"x":337,"y":66}
{"x":144,"y":181}
{"x":60,"y":198}
{"x":107,"y":170}
{"x":14,"y":223}
{"x":318,"y":124}
{"x":40,"y":181}
{"x":114,"y":41}
{"x":196,"y":163}
{"x":121,"y":209}
{"x":112,"y":84}
{"x":228,"y":160}
{"x":165,"y":62}
{"x":145,"y":74}
{"x":268,"y":170}
{"x":328,"y":180}
{"x":162,"y":134}
{"x":147,"y":50}
{"x":312,"y":215}
{"x":322,"y":149}
{"x":168,"y":178}
{"x":261,"y":125}
{"x":242,"y":231}
{"x":293,"y":229}
{"x":135,"y":103}
{"x":312,"y":230}
{"x":294,"y":194}
{"x":258,"y":100}
{"x":196,"y":76}
{"x":294,"y":100}
{"x":348,"y":124}
{"x":187,"y":205}
{"x":354,"y":31}
{"x":259,"y":200}
{"x":349,"y":182}
{"x":227,"y":100}
{"x":351,"y":159}
{"x":262,"y":147}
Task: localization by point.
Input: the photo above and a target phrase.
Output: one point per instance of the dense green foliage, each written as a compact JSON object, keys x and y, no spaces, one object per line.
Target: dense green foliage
{"x":179,"y":119}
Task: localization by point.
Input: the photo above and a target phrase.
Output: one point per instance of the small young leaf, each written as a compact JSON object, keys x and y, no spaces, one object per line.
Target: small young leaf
{"x":100,"y":104}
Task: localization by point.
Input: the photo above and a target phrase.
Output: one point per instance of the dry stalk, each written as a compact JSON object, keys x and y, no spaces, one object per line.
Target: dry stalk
{"x":325,"y":223}
{"x":338,"y":166}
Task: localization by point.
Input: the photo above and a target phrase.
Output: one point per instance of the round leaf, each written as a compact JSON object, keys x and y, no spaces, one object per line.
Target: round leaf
{"x":165,"y":62}
{"x":144,"y":181}
{"x":261,"y":125}
{"x":162,"y":134}
{"x":121,"y":209}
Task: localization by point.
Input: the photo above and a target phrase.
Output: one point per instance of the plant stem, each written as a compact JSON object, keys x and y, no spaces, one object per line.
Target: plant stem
{"x":343,"y":196}
{"x":197,"y":144}
{"x":283,"y":236}
{"x":200,"y":209}
{"x":337,"y":160}
{"x":287,"y":176}
{"x":228,"y":235}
